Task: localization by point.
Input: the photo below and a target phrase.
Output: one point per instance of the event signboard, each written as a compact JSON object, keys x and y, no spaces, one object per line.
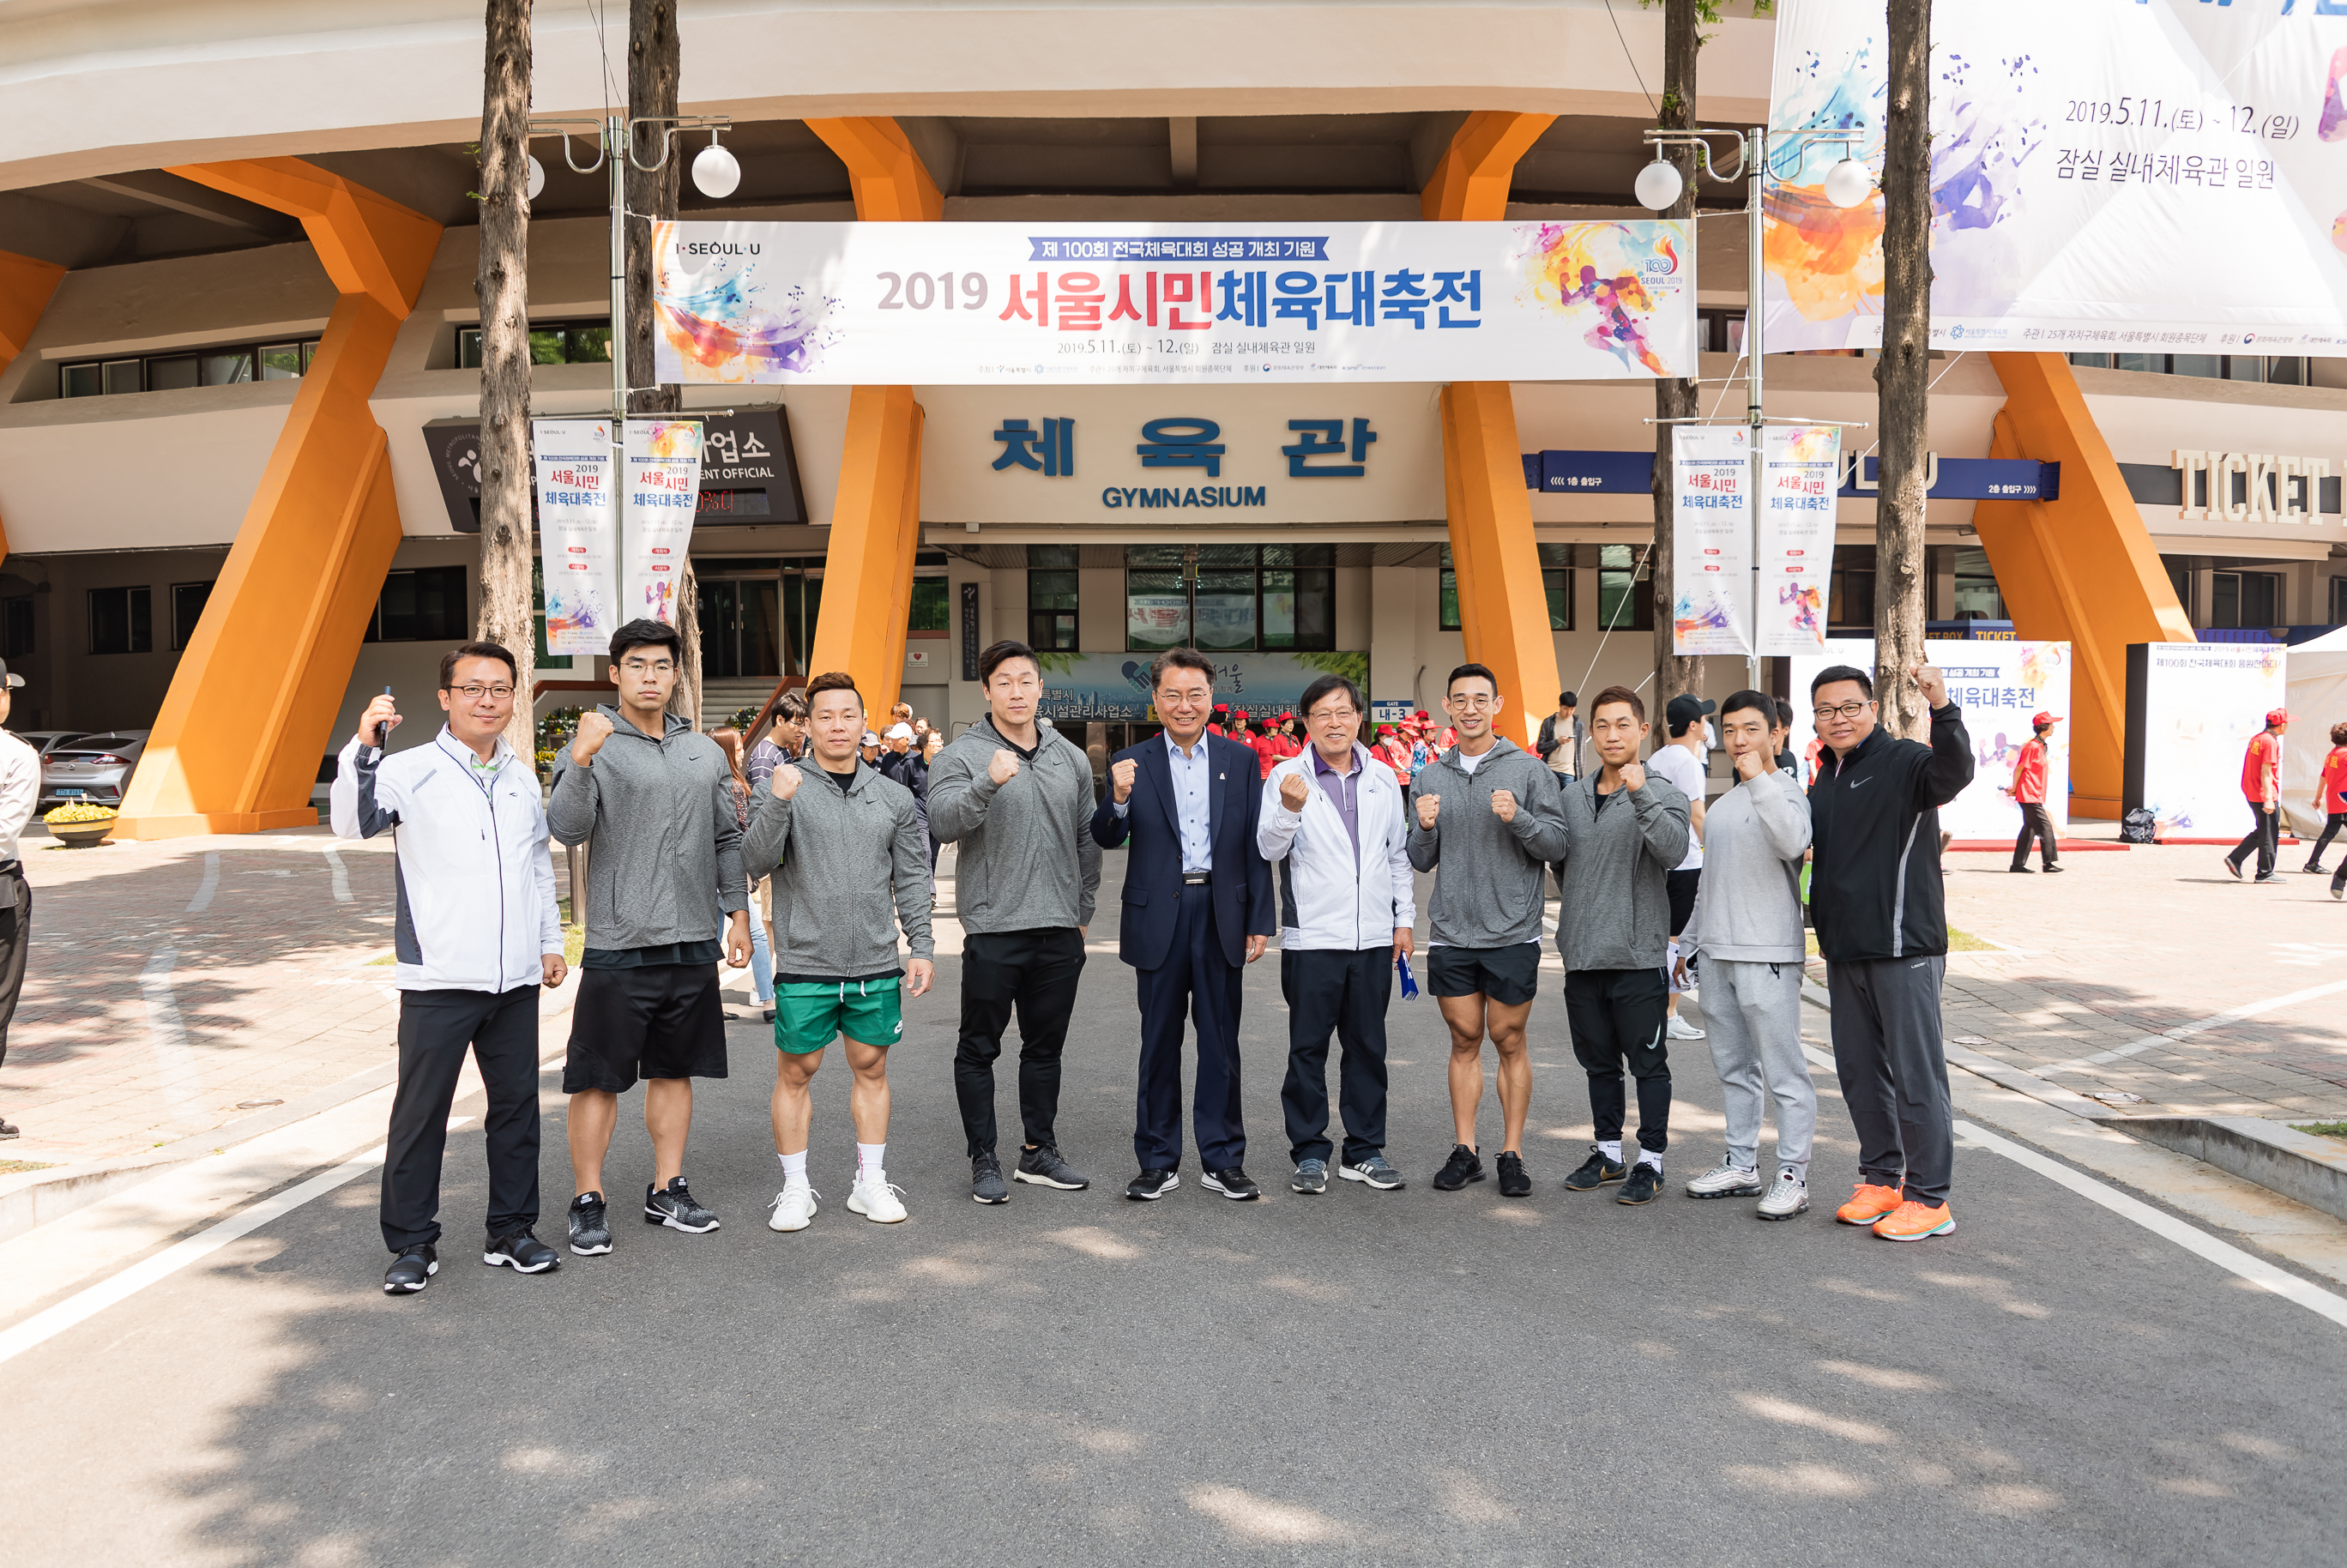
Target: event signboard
{"x":1711,"y":538}
{"x":1797,"y":536}
{"x":575,"y":534}
{"x":2001,"y":687}
{"x":662,"y":481}
{"x":2191,"y":710}
{"x":1214,"y":305}
{"x":1115,"y":686}
{"x":2157,"y":176}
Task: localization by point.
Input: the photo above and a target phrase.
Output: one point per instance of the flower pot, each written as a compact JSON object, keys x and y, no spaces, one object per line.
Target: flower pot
{"x":80,"y":834}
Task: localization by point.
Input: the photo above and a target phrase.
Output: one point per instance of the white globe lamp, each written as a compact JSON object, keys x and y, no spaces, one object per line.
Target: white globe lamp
{"x":1848,"y":183}
{"x":1658,"y":186}
{"x":716,"y":172}
{"x":537,"y":178}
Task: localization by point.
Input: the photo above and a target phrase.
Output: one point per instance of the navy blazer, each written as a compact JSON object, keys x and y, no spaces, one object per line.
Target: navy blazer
{"x":1241,"y":885}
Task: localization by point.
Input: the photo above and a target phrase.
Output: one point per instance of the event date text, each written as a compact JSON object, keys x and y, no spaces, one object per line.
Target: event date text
{"x":2159,"y":114}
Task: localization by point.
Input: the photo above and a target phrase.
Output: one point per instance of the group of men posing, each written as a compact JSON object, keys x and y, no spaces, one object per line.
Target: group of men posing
{"x":668,"y":862}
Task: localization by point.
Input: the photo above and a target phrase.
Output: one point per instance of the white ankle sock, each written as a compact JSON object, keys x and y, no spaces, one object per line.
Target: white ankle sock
{"x":870,"y":1159}
{"x":793,"y":1166}
{"x":1648,"y":1157}
{"x":1612,"y":1150}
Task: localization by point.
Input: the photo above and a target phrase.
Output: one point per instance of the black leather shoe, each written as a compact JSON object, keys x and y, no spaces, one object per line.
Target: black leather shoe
{"x":1231,"y":1183}
{"x":1150,"y":1185}
{"x":411,"y":1271}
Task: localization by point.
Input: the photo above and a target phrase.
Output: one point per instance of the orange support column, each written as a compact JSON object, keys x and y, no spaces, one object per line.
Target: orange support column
{"x":2080,"y":568}
{"x":235,"y":748}
{"x":26,"y":286}
{"x":1502,"y":609}
{"x":876,"y":523}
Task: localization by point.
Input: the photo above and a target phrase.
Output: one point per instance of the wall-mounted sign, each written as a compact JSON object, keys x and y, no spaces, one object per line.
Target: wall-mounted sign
{"x":1944,"y":478}
{"x":748,"y":473}
{"x":2249,"y":486}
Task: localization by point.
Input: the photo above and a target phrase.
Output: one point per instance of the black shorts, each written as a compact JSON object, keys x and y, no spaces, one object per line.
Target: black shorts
{"x":658,"y":1020}
{"x":1509,"y":976}
{"x":1681,"y":885}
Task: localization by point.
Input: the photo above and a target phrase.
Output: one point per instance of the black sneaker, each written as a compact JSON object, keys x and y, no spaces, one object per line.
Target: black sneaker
{"x":521,"y":1252}
{"x":411,"y":1271}
{"x":1595,"y":1173}
{"x":2053,"y":868}
{"x":8,"y":1128}
{"x":1042,"y":1165}
{"x":590,"y":1226}
{"x":2234,"y":867}
{"x":985,"y":1180}
{"x":1231,"y":1183}
{"x":1513,"y":1182}
{"x":1645,"y":1180}
{"x":672,"y":1206}
{"x":1150,"y":1185}
{"x":1461,"y":1168}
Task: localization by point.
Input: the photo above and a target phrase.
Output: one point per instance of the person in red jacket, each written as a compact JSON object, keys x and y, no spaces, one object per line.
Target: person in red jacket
{"x":1266,"y":749}
{"x":2261,"y":785}
{"x":2028,"y":792}
{"x":2331,"y":799}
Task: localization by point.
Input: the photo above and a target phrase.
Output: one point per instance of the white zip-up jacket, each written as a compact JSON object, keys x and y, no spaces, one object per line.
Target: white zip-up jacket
{"x":1329,"y":898}
{"x":476,"y":879}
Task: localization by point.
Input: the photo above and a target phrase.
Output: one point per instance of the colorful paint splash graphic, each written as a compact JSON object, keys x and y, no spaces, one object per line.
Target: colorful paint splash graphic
{"x":1689,"y":621}
{"x":673,"y":441}
{"x":2041,"y":666}
{"x":1805,"y":606}
{"x":725,"y":330}
{"x":1601,"y":270}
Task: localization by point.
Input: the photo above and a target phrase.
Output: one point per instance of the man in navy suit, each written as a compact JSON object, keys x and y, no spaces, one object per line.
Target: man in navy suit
{"x":1197,"y":910}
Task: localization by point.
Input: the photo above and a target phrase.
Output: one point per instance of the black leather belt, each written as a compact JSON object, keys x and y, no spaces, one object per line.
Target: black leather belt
{"x":1196,"y":878}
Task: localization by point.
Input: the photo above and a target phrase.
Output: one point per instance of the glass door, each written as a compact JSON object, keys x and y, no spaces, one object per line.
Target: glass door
{"x":739,"y":626}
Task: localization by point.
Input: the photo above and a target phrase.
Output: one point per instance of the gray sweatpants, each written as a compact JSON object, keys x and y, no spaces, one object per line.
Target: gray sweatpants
{"x":1894,"y":1074}
{"x":1752,"y":1013}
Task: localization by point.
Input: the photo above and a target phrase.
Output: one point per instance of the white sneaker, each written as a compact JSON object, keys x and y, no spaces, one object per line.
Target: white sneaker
{"x":793,"y":1205}
{"x":1682,"y":1029}
{"x":1787,"y":1197}
{"x":875,"y":1198}
{"x":1725,"y":1181}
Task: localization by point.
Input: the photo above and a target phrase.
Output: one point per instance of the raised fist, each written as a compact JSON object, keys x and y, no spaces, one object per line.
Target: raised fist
{"x":1119,"y":779}
{"x":1932,"y":684}
{"x":1430,"y":806}
{"x":1503,"y":804}
{"x":785,"y":782}
{"x":1004,"y":767}
{"x":1633,"y":775}
{"x":1748,"y":763}
{"x":594,"y":729}
{"x":1293,"y":792}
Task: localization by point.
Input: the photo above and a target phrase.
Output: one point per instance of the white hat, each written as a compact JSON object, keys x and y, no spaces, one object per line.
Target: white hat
{"x":870,"y":739}
{"x":901,"y":731}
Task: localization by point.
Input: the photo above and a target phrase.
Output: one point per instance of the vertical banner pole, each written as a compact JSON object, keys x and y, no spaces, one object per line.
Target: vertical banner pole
{"x":1755,"y":306}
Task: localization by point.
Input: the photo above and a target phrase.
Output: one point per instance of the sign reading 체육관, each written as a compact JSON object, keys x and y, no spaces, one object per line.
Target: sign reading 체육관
{"x":1219,"y":305}
{"x":2105,"y":174}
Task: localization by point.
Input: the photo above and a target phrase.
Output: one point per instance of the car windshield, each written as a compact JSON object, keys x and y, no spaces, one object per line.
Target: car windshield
{"x":93,"y":745}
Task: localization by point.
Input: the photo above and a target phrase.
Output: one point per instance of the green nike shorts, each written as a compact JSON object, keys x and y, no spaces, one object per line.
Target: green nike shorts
{"x":810,"y":1014}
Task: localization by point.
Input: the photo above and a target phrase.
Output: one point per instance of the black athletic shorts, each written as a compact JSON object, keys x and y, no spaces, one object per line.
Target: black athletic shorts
{"x":1681,"y":885}
{"x":658,"y":1020}
{"x":1509,"y":976}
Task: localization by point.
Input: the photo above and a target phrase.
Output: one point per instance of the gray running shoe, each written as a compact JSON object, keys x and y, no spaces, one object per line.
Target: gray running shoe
{"x":986,"y":1185}
{"x":1311,"y":1177}
{"x":1787,"y":1197}
{"x":1725,"y":1180}
{"x":1375,"y":1171}
{"x":1043,"y":1167}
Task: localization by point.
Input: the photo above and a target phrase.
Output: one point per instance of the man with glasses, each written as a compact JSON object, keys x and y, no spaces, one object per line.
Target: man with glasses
{"x":652,"y":799}
{"x":1877,"y":901}
{"x":1333,"y":823}
{"x":475,"y":933}
{"x":1017,"y":797}
{"x":1487,"y":824}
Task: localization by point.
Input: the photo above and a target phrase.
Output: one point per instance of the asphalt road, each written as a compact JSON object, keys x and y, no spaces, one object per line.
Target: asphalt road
{"x":1413,"y":1377}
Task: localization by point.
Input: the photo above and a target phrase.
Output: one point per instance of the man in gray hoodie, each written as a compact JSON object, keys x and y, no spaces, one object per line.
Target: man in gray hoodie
{"x":652,"y":799}
{"x":1017,"y":797}
{"x":1484,"y":820}
{"x":1626,"y":829}
{"x":1749,"y":931}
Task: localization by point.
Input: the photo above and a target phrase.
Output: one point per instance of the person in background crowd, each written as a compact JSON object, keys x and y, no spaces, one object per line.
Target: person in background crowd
{"x":1683,"y":762}
{"x":20,"y":793}
{"x":1422,"y":750}
{"x":2261,"y":784}
{"x":1220,"y":725}
{"x":870,"y":749}
{"x":784,"y":742}
{"x":1880,"y":903}
{"x":901,"y":763}
{"x":1780,"y":741}
{"x":931,"y":744}
{"x":762,"y":956}
{"x":2329,"y":797}
{"x":1748,"y":931}
{"x":2028,"y":792}
{"x":1561,"y":734}
{"x":1269,"y":748}
{"x":1394,"y":752}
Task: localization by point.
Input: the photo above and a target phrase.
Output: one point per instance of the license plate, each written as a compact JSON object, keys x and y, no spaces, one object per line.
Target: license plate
{"x":72,"y":792}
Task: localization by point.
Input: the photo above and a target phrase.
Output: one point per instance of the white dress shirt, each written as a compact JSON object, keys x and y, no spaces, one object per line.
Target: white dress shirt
{"x":1193,"y":805}
{"x":20,"y":790}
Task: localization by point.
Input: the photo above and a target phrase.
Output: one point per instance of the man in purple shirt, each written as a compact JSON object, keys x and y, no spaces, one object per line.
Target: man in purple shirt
{"x":1332,"y":826}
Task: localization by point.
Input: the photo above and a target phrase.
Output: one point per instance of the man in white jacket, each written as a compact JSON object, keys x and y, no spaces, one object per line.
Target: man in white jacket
{"x":1332,"y":825}
{"x":1749,"y":931}
{"x":476,"y":934}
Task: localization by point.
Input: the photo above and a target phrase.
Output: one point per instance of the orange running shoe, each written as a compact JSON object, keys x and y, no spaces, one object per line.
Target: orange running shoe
{"x":1912,"y":1221}
{"x":1868,"y":1205}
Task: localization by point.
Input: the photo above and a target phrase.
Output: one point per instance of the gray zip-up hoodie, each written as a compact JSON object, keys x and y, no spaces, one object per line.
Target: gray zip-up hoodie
{"x":1616,"y":912}
{"x":663,"y":847}
{"x":1487,"y":891}
{"x":836,"y":854}
{"x":1753,"y":836}
{"x":1027,"y":861}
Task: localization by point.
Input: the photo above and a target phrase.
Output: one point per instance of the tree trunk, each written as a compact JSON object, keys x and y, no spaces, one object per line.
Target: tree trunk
{"x":1674,"y":398}
{"x":501,"y":286}
{"x":1903,"y":372}
{"x":653,"y":71}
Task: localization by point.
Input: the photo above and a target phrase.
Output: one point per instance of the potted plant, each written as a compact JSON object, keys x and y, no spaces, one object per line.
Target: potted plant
{"x":80,"y":824}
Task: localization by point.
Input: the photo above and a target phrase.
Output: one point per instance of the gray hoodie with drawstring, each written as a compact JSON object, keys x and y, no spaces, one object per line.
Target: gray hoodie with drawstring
{"x":1487,"y":893}
{"x":663,"y":845}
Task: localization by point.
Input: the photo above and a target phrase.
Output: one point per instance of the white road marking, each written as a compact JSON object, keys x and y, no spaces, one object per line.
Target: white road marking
{"x":342,"y":872}
{"x":210,"y":886}
{"x":2187,"y":1031}
{"x":167,"y":1038}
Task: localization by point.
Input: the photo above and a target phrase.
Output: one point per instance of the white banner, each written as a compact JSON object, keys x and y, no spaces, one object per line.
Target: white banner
{"x":576,"y":533}
{"x":1213,"y":303}
{"x":2125,"y":175}
{"x":1711,"y":538}
{"x":2002,"y":688}
{"x":2202,"y":703}
{"x":662,"y":493}
{"x":1800,"y":468}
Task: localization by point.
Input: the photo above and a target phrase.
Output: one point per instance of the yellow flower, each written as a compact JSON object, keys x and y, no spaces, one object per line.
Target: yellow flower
{"x":83,"y":812}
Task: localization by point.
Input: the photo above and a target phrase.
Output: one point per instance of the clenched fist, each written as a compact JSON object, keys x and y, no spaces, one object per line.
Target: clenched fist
{"x":1633,"y":776}
{"x":1503,"y":804}
{"x":594,"y":729}
{"x":1749,"y":763}
{"x":1119,"y":779}
{"x":1293,"y":792}
{"x":1430,"y":806}
{"x":785,"y":782}
{"x":1003,"y":768}
{"x":381,"y":713}
{"x":1932,"y":683}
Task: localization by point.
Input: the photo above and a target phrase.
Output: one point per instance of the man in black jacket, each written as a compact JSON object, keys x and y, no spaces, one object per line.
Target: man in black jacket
{"x":1876,"y":901}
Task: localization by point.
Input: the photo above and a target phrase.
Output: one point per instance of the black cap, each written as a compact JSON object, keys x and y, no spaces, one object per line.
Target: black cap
{"x":1684,"y":710}
{"x":13,"y":682}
